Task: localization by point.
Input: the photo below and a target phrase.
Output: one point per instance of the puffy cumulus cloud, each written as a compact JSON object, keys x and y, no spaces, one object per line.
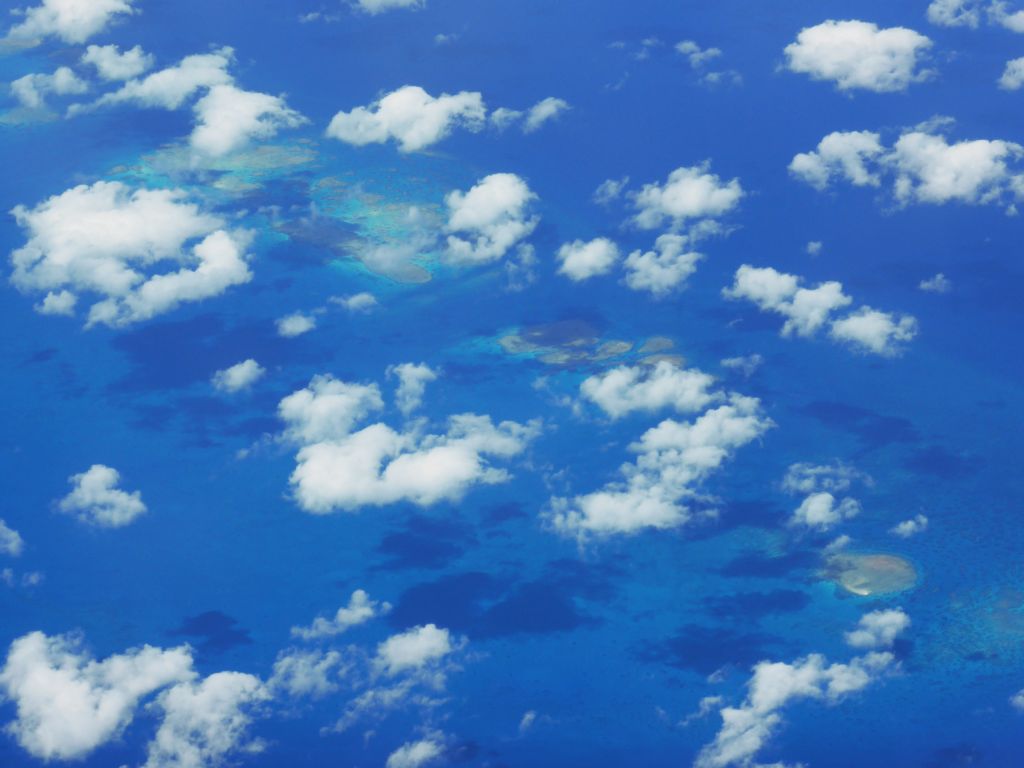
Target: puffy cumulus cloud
{"x":999,"y":12}
{"x":359,"y":610}
{"x":68,"y":704}
{"x":542,"y":112}
{"x":306,"y":674}
{"x":415,"y":754}
{"x":663,"y":269}
{"x":295,"y":324}
{"x":823,"y":511}
{"x":878,"y":629}
{"x":73,"y":21}
{"x":170,"y":88}
{"x":338,"y":468}
{"x":807,"y":310}
{"x":647,"y":389}
{"x":955,"y":13}
{"x":228,"y":118}
{"x":96,"y":499}
{"x":31,"y":90}
{"x":581,"y":260}
{"x":488,"y":220}
{"x":937,"y":283}
{"x":843,"y":154}
{"x":858,"y":54}
{"x":915,"y":525}
{"x":412,"y":384}
{"x":11,"y":542}
{"x":411,"y":117}
{"x":373,"y":7}
{"x":239,"y":376}
{"x":108,"y":239}
{"x":672,"y":458}
{"x":923,"y":166}
{"x":414,"y":649}
{"x":689,"y":193}
{"x":748,"y":728}
{"x":869,"y":330}
{"x":837,"y":477}
{"x":205,"y":722}
{"x":113,"y":64}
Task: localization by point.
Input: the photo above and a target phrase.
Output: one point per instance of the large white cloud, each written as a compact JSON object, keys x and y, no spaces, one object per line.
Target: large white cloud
{"x":228,"y":118}
{"x":807,"y":310}
{"x":96,"y":499}
{"x":581,"y":260}
{"x":113,"y":64}
{"x":31,"y":90}
{"x":843,"y":154}
{"x":109,"y":239}
{"x":68,"y":704}
{"x":338,"y":468}
{"x":489,"y":219}
{"x":11,"y":542}
{"x":672,"y":459}
{"x":359,"y":610}
{"x":73,"y":21}
{"x":858,"y":54}
{"x":411,"y":117}
{"x":689,"y":193}
{"x":630,"y":389}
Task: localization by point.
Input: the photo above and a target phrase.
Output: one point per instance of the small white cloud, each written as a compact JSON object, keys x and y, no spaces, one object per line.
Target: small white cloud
{"x":96,"y":499}
{"x":663,"y":269}
{"x":412,"y":383}
{"x":31,"y":90}
{"x":413,"y":649}
{"x":73,"y":21}
{"x":581,"y":260}
{"x":1017,"y":701}
{"x":295,"y":324}
{"x":955,"y":13}
{"x":373,"y":7}
{"x":411,"y":117}
{"x":878,"y":629}
{"x":416,"y":754}
{"x":1013,"y":75}
{"x":357,"y":302}
{"x":823,"y":511}
{"x":647,"y":389}
{"x":327,"y":409}
{"x":808,"y":478}
{"x":11,"y":542}
{"x":858,"y":54}
{"x":747,"y":364}
{"x":57,"y":303}
{"x":489,"y":219}
{"x":528,"y":719}
{"x":842,"y":153}
{"x":228,"y":118}
{"x":112,"y":64}
{"x":542,"y":112}
{"x":689,"y":193}
{"x":938,"y":283}
{"x":610,"y":190}
{"x":696,"y":55}
{"x":239,"y":376}
{"x":359,"y":610}
{"x":814,"y":248}
{"x":302,"y":674}
{"x":912,"y":527}
{"x":869,"y":330}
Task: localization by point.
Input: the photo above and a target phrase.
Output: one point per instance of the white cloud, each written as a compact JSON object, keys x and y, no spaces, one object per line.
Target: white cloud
{"x":409,"y":116}
{"x":11,"y":542}
{"x":412,"y":383}
{"x":630,"y":389}
{"x":696,"y":55}
{"x":689,"y":193}
{"x":999,"y":13}
{"x":205,"y":722}
{"x":359,"y":610}
{"x":377,"y":465}
{"x":581,"y":260}
{"x":869,"y":330}
{"x":228,"y":118}
{"x":955,"y":13}
{"x":665,"y":268}
{"x":107,"y":239}
{"x":912,"y":527}
{"x":59,"y":303}
{"x":73,"y":21}
{"x":878,"y":629}
{"x":842,"y":153}
{"x":303,"y":674}
{"x":239,"y":376}
{"x":857,"y":54}
{"x":96,"y":499}
{"x":68,"y":704}
{"x":542,"y":112}
{"x":810,"y":478}
{"x":747,"y":364}
{"x":823,"y":511}
{"x":489,"y":219}
{"x":814,"y":247}
{"x":295,"y":324}
{"x":112,"y":64}
{"x":1013,"y":75}
{"x":673,"y":457}
{"x":609,"y":190}
{"x":413,"y":649}
{"x":373,"y":7}
{"x":171,"y":87}
{"x":31,"y":90}
{"x":808,"y":309}
{"x":1017,"y":701}
{"x":415,"y":754}
{"x":358,"y":302}
{"x":938,"y":283}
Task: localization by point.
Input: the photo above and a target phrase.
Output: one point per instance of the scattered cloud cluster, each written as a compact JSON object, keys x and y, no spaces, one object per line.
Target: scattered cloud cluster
{"x":109,"y":239}
{"x":860,"y":55}
{"x":341,"y":467}
{"x":699,"y":59}
{"x":807,"y":310}
{"x":95,"y":499}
